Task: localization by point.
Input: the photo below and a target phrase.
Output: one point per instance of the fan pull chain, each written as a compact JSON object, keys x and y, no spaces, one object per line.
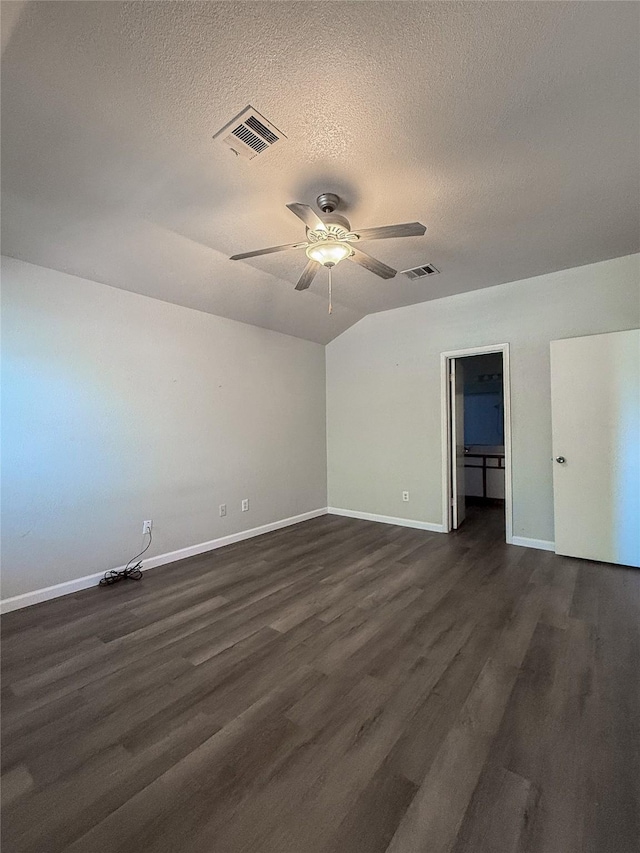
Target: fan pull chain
{"x":330,"y":305}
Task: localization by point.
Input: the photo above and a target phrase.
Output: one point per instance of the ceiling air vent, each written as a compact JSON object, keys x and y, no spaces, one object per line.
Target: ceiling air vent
{"x":420,"y":272}
{"x":249,"y":134}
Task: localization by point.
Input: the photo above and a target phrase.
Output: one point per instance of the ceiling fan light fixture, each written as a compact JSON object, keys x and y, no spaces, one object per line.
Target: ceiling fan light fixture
{"x":329,"y":240}
{"x":329,"y":252}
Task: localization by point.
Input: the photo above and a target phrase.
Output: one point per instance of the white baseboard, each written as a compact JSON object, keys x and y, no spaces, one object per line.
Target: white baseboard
{"x":540,"y":544}
{"x":28,"y":598}
{"x":388,"y":519}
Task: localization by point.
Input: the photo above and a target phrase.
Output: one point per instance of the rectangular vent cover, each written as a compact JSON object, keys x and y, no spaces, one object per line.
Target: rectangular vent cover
{"x":249,"y":134}
{"x":420,"y":272}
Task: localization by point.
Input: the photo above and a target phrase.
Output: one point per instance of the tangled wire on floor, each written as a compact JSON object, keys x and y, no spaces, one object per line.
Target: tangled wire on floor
{"x":132,"y":571}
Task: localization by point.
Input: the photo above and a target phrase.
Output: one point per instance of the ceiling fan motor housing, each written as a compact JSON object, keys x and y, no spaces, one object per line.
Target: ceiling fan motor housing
{"x":337,"y":228}
{"x":327,"y":202}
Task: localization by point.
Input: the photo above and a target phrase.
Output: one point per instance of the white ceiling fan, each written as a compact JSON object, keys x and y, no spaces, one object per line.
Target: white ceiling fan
{"x":329,"y":240}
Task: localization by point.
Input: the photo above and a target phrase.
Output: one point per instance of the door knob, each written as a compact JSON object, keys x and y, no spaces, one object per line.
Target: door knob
{"x":560,"y":459}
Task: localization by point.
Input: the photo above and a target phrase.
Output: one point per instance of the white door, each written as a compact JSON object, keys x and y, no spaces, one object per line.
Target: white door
{"x":457,"y":443}
{"x":595,"y":397}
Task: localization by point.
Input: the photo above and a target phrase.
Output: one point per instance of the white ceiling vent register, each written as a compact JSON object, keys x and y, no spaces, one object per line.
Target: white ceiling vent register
{"x":249,"y":134}
{"x":420,"y":272}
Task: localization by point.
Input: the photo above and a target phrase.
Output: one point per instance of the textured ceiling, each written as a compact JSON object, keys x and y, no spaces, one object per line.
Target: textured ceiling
{"x":511,"y":130}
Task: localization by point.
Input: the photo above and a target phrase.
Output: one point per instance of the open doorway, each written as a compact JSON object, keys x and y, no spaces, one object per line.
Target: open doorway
{"x":477,"y":439}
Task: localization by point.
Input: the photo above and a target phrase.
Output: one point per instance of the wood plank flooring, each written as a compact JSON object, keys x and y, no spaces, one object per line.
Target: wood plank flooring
{"x":340,"y":686}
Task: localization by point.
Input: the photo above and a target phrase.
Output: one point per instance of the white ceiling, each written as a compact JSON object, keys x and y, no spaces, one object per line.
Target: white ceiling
{"x":511,"y":130}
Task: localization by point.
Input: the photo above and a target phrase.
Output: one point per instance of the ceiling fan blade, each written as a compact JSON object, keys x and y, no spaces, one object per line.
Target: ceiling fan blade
{"x":373,"y":265}
{"x":308,"y":275}
{"x":407,"y":229}
{"x":268,"y":251}
{"x":308,"y":216}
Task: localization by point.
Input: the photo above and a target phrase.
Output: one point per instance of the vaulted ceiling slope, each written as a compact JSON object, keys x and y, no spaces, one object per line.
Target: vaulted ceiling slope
{"x":511,"y":130}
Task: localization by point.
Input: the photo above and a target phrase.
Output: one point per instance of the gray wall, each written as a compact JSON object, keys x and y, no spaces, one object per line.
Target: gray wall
{"x":383,"y":387}
{"x":118,"y":408}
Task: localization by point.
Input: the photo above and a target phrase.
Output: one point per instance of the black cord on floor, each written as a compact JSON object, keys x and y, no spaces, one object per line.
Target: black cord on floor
{"x":130,"y":572}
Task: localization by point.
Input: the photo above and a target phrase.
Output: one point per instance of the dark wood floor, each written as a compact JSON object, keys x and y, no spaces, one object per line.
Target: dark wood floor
{"x":336,"y":687}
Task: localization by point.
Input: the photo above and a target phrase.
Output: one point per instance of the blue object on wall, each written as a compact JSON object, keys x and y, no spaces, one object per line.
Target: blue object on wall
{"x":483,"y":419}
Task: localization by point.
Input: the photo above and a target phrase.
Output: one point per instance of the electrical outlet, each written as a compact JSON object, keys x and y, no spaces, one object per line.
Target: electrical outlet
{"x":223,"y":510}
{"x":146,"y":526}
{"x":245,"y":505}
{"x":405,"y":496}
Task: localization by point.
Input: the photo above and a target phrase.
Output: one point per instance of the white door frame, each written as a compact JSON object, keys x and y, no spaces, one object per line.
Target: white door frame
{"x":446,"y":431}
